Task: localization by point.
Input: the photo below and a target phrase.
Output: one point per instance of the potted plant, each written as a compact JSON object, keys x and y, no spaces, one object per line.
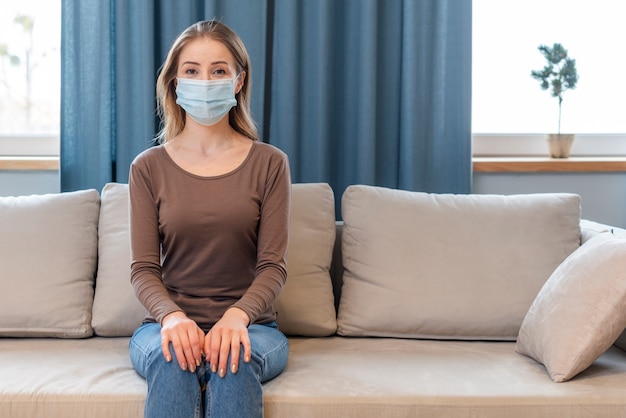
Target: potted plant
{"x":559,"y":75}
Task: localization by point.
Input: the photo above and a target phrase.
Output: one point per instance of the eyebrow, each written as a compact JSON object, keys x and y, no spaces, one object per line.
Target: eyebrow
{"x":197,"y":63}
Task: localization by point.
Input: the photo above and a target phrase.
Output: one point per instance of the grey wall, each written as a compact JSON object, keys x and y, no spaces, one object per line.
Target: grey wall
{"x":603,"y":194}
{"x":24,"y":182}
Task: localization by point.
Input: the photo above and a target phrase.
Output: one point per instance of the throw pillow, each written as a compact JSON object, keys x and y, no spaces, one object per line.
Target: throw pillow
{"x":421,"y":265}
{"x":621,"y":341}
{"x":580,"y":311}
{"x":116,"y":310}
{"x":306,"y":305}
{"x":48,"y":250}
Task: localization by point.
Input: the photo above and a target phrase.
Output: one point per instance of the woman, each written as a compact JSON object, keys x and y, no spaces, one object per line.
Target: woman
{"x":209,"y":212}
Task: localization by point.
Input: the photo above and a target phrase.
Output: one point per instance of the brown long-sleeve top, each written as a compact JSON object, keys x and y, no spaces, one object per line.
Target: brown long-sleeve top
{"x":204,"y":244}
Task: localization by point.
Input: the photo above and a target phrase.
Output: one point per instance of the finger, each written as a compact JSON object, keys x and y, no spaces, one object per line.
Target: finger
{"x":224,"y":352}
{"x":177,"y":345}
{"x":235,"y":349}
{"x":247,"y":346}
{"x":195,"y":347}
{"x":165,"y":347}
{"x":207,"y":347}
{"x":201,"y":343}
{"x":214,"y":350}
{"x":186,"y":348}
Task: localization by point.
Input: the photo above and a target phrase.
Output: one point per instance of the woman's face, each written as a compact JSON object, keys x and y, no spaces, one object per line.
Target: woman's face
{"x":207,"y":59}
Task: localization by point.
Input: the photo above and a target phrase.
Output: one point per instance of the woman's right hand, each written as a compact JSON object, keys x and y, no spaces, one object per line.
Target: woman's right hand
{"x":186,"y":338}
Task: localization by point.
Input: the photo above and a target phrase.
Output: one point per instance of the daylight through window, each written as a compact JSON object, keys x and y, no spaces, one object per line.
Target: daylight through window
{"x":30,"y":34}
{"x":506,"y":35}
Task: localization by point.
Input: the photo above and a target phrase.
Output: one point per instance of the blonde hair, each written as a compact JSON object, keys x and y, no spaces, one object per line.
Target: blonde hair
{"x":172,"y":115}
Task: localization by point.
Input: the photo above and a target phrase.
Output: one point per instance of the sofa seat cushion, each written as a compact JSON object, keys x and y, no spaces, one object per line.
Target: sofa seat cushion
{"x":69,"y":378}
{"x":380,"y":377}
{"x":325,"y":377}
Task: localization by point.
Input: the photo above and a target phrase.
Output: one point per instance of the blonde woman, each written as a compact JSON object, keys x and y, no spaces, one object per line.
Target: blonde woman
{"x":209,"y":212}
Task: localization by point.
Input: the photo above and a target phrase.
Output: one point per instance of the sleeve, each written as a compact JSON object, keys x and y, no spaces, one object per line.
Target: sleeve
{"x":271,"y":267}
{"x":146,"y":246}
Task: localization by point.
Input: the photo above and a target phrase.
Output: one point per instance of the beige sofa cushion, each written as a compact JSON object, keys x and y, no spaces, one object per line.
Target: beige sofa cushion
{"x":400,"y":378}
{"x":326,"y":378}
{"x":48,"y":250}
{"x":421,"y":265}
{"x":87,"y":378}
{"x":621,"y":341}
{"x":580,"y":311}
{"x":116,"y":310}
{"x":589,"y":229}
{"x":306,"y":305}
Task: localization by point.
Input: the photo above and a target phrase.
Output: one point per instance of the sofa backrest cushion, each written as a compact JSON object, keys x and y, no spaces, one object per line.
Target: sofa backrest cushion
{"x":306,"y":305}
{"x":48,"y":250}
{"x":116,"y":310}
{"x":445,"y":266}
{"x":304,"y":308}
{"x":621,"y":341}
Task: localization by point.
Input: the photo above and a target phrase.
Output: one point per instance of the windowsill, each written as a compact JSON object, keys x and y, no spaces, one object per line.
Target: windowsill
{"x":480,"y":164}
{"x":31,"y":163}
{"x":545,"y":164}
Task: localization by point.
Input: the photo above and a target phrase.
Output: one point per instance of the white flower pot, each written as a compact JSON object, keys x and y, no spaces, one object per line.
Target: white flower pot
{"x":560,"y":144}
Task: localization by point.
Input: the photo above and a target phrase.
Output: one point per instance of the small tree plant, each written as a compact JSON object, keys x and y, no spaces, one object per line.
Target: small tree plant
{"x":559,"y":73}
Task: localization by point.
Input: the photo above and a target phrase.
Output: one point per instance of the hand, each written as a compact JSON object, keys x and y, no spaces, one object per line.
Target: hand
{"x":186,"y":338}
{"x":226,"y":337}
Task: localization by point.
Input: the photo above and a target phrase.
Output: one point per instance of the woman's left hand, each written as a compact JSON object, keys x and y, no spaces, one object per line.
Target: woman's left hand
{"x":226,"y":337}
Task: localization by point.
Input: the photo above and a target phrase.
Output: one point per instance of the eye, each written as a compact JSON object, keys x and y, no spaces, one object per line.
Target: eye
{"x":219,"y":72}
{"x":191,"y":71}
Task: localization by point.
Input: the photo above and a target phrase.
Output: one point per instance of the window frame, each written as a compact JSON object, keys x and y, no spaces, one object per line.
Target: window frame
{"x":27,"y":145}
{"x":531,"y":145}
{"x":29,"y":152}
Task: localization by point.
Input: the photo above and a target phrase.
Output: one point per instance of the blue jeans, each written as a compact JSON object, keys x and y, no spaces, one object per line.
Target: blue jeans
{"x":174,"y":393}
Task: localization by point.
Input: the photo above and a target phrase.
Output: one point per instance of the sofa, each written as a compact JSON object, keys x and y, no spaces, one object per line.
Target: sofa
{"x":413,"y":305}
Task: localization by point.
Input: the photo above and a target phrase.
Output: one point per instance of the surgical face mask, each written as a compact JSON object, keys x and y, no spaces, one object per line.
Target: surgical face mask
{"x":206,"y":101}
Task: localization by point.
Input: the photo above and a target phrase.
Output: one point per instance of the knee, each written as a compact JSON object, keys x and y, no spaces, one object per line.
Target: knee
{"x":147,"y":357}
{"x":271,"y":357}
{"x":254,"y":366}
{"x":155,"y":360}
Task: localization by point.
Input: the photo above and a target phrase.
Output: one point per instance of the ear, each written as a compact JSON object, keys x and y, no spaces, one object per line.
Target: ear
{"x":240,"y":81}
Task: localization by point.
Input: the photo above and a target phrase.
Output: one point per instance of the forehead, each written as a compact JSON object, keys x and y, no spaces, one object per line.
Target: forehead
{"x":205,"y":51}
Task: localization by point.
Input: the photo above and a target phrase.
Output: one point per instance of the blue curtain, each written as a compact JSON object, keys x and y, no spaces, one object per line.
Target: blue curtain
{"x":354,"y":91}
{"x":111,"y":52}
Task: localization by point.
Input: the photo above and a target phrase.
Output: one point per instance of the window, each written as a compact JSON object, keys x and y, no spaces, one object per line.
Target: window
{"x":507,"y":100}
{"x":30,"y":39}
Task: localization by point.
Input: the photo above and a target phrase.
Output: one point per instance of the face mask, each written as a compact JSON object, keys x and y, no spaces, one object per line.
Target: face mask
{"x":206,"y":101}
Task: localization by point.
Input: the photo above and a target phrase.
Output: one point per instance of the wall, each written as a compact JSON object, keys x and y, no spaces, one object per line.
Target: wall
{"x":603,"y":194}
{"x":24,"y":182}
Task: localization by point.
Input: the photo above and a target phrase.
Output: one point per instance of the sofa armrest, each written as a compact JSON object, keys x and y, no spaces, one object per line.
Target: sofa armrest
{"x":589,"y":229}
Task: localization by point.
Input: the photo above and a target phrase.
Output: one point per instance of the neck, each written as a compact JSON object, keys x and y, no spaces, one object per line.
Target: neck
{"x":206,"y":137}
